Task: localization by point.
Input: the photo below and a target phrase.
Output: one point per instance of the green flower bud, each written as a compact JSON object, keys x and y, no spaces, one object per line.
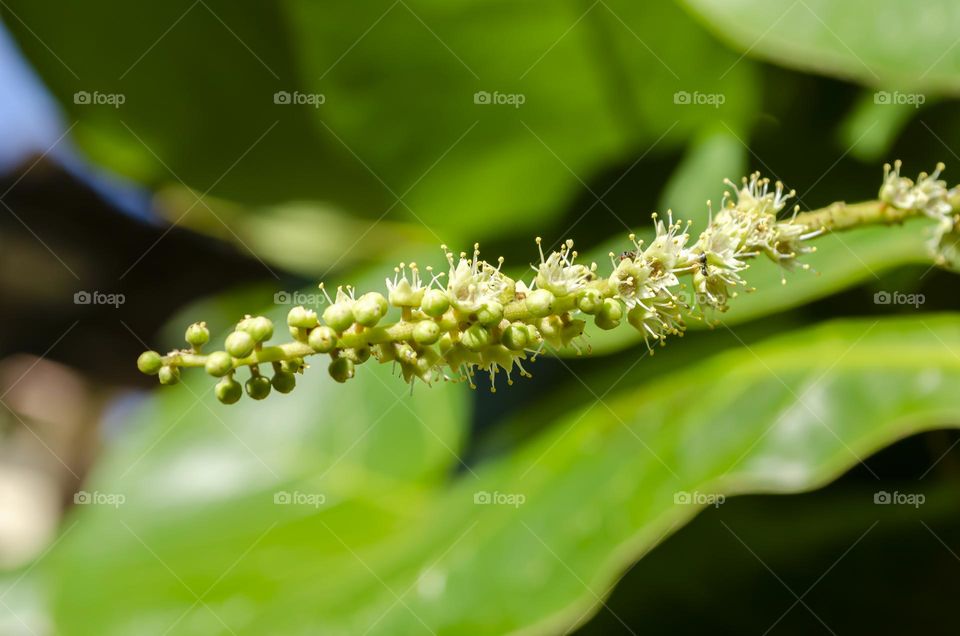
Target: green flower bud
{"x":515,"y":337}
{"x":302,"y":318}
{"x":323,"y":339}
{"x":490,"y":314}
{"x":169,"y":375}
{"x":434,"y":302}
{"x":475,"y":338}
{"x":426,"y":332}
{"x":283,"y":382}
{"x":610,"y":314}
{"x":590,"y":301}
{"x":298,"y":334}
{"x":260,"y":328}
{"x":149,"y":362}
{"x":219,"y":364}
{"x":341,"y":369}
{"x":550,"y":328}
{"x":448,"y":322}
{"x":339,"y":316}
{"x":228,"y":391}
{"x":197,"y":335}
{"x":540,"y":303}
{"x":572,"y":330}
{"x":258,"y":387}
{"x":292,"y":366}
{"x":357,"y":355}
{"x":240,"y":344}
{"x":370,"y":308}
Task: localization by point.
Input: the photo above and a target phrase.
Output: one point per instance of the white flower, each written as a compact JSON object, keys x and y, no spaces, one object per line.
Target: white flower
{"x":558,"y":273}
{"x":407,"y":291}
{"x":928,"y":195}
{"x":473,"y":284}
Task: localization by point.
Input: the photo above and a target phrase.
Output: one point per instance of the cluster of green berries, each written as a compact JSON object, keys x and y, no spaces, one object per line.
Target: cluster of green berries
{"x":474,"y":317}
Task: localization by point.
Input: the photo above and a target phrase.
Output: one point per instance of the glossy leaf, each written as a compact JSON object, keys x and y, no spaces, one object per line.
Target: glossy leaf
{"x":527,"y":543}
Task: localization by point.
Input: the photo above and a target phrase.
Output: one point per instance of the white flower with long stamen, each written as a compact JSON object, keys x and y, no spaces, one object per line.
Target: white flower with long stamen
{"x":474,"y":284}
{"x":407,"y":287}
{"x":558,"y":274}
{"x":929,"y":194}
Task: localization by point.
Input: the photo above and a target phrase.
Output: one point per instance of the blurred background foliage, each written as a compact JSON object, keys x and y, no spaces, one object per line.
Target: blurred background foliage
{"x":207,"y":191}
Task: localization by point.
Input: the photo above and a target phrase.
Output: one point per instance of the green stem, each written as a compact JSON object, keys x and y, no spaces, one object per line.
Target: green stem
{"x":836,"y":217}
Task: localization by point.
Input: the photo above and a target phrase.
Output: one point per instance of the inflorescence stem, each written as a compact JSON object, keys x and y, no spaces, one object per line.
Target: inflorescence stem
{"x":483,"y":319}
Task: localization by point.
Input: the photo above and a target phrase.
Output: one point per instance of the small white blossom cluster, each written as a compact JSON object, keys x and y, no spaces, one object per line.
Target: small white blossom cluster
{"x":930,"y":196}
{"x":474,"y":317}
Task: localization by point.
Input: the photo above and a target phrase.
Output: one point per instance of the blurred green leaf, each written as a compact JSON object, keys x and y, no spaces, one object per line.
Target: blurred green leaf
{"x":886,"y":43}
{"x":597,"y":82}
{"x":599,"y":488}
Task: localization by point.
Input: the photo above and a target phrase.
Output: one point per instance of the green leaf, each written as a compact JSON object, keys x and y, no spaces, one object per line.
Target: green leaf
{"x":599,"y":488}
{"x":886,"y":43}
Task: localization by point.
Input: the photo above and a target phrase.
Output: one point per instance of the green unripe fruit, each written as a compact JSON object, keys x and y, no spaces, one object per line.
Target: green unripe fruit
{"x":283,"y":382}
{"x":259,"y":328}
{"x":490,"y":314}
{"x":339,"y":316}
{"x":228,"y":391}
{"x":590,"y":301}
{"x":302,"y":318}
{"x":197,"y":335}
{"x":434,"y":303}
{"x":150,"y":362}
{"x":515,"y":337}
{"x":219,"y":364}
{"x":370,"y":308}
{"x":323,"y":339}
{"x":475,"y":338}
{"x":540,"y":303}
{"x":341,"y":369}
{"x":169,"y":375}
{"x":610,"y":314}
{"x":258,"y":387}
{"x":240,"y":344}
{"x":426,"y":332}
